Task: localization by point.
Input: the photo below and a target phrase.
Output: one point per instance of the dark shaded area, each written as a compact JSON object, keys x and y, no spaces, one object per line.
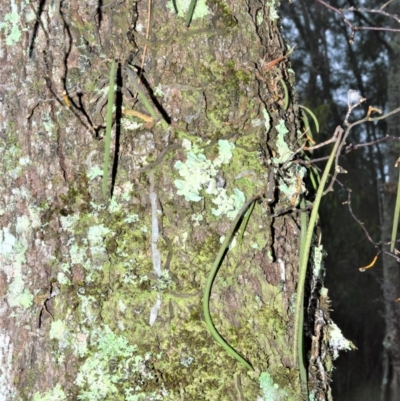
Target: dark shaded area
{"x":326,"y":67}
{"x":118,"y":116}
{"x":153,"y":98}
{"x":38,"y":22}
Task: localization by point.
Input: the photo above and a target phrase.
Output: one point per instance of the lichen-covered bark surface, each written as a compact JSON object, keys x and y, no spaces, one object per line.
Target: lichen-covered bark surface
{"x":89,"y":310}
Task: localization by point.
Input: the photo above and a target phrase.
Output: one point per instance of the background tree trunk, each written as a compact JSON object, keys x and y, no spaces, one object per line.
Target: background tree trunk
{"x":326,"y":67}
{"x":391,"y":277}
{"x":102,"y":298}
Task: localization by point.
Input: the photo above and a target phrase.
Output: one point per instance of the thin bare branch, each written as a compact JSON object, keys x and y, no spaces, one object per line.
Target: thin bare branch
{"x":355,"y":28}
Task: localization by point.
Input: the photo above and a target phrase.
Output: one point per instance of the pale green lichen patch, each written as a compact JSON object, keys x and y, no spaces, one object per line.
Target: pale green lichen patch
{"x":56,"y":394}
{"x":112,"y":369}
{"x":12,"y":253}
{"x":47,"y":122}
{"x":12,"y":161}
{"x":318,"y":254}
{"x":283,"y":150}
{"x":16,"y":236}
{"x":95,"y":236}
{"x":57,"y":330}
{"x":198,"y":168}
{"x":228,"y":205}
{"x":272,"y":8}
{"x":112,"y":365}
{"x":337,"y":342}
{"x":94,"y":172}
{"x":7,"y":390}
{"x":7,"y":242}
{"x":267,"y":120}
{"x":291,"y":185}
{"x":10,"y":25}
{"x":271,"y":390}
{"x":199,"y":174}
{"x":89,"y":249}
{"x":130,"y":124}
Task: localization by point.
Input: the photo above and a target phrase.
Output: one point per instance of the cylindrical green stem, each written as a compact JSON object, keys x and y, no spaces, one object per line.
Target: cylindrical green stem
{"x":210,"y":280}
{"x":304,"y":256}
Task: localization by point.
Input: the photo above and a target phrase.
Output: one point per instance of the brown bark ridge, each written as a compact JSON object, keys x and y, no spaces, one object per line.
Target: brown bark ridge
{"x":102,"y":298}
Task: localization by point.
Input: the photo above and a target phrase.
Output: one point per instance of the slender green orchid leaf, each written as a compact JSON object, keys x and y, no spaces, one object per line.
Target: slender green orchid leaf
{"x":395,"y":218}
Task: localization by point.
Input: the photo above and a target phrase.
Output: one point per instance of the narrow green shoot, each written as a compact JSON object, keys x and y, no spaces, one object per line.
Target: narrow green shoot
{"x":286,"y":92}
{"x":395,"y":218}
{"x":246,"y":220}
{"x":110,"y":105}
{"x":142,"y":97}
{"x":312,"y":115}
{"x":190,"y":12}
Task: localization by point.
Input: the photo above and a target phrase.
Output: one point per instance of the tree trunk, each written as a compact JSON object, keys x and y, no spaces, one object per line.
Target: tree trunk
{"x":102,"y":296}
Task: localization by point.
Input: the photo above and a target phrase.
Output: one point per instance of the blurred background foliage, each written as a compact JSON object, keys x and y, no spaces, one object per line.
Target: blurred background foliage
{"x":326,"y":67}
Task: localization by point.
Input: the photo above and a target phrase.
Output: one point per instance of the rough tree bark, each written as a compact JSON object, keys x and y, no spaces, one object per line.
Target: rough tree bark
{"x":102,"y":298}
